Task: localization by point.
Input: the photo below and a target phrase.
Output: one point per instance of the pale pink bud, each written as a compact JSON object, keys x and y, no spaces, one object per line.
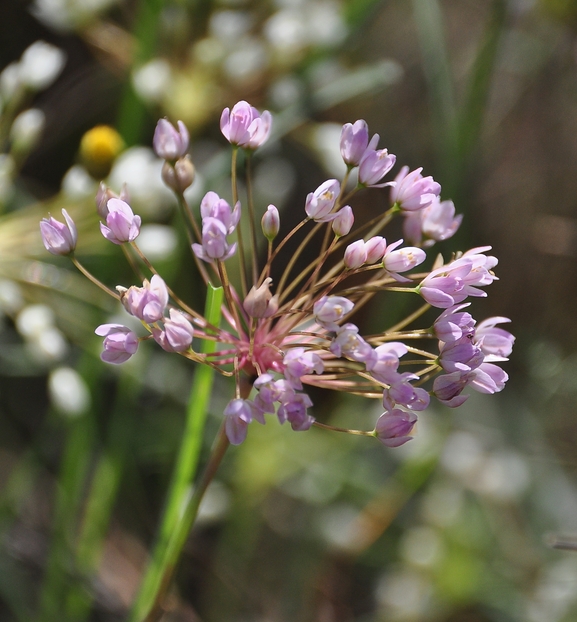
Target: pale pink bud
{"x":354,"y":141}
{"x":170,"y":144}
{"x":244,"y":126}
{"x":375,"y":248}
{"x":271,"y":223}
{"x":355,"y":255}
{"x":343,"y":222}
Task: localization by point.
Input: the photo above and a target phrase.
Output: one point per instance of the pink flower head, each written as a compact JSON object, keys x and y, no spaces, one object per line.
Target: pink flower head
{"x":170,"y":144}
{"x":120,"y":343}
{"x":212,"y":206}
{"x":214,"y":243}
{"x":411,"y":191}
{"x":374,"y":165}
{"x":299,"y":362}
{"x":122,"y":225}
{"x":354,"y":142}
{"x":394,"y":427}
{"x":320,"y":203}
{"x":343,"y":221}
{"x":329,"y":310}
{"x":148,"y":302}
{"x":59,"y":238}
{"x":177,"y":334}
{"x":494,"y":342}
{"x":244,"y":126}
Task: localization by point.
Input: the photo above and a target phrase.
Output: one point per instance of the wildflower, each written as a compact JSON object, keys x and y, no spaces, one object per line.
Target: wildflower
{"x":122,"y":225}
{"x":494,"y":341}
{"x":214,"y":243}
{"x":275,"y":345}
{"x":412,"y":192}
{"x":329,"y":310}
{"x":354,"y":142}
{"x":320,"y":203}
{"x":374,"y":165}
{"x":148,"y":302}
{"x":170,"y":144}
{"x":394,"y":427}
{"x":239,"y":414}
{"x":59,"y":238}
{"x":244,"y":126}
{"x":120,"y":343}
{"x":40,"y":64}
{"x":177,"y":334}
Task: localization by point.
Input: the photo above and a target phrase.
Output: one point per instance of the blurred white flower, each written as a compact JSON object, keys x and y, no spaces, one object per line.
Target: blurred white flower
{"x":68,"y":391}
{"x":152,"y":81}
{"x":78,"y":184}
{"x":11,"y":299}
{"x":27,"y":129}
{"x":157,"y":242}
{"x":40,"y":65}
{"x":65,"y":15}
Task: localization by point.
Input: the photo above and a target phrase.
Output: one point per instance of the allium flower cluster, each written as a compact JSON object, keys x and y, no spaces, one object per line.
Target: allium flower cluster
{"x":277,"y":338}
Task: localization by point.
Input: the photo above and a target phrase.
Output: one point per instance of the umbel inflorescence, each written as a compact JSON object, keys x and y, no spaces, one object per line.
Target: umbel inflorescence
{"x":276,"y":338}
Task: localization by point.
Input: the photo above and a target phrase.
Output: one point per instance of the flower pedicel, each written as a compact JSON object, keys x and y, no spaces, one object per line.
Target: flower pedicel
{"x":276,"y":341}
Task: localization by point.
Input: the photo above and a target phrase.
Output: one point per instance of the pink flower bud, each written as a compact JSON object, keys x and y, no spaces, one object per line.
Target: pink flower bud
{"x":343,"y":222}
{"x":355,"y":255}
{"x":394,"y":427}
{"x":244,"y":126}
{"x":59,"y":238}
{"x":354,"y":141}
{"x":170,"y":144}
{"x":271,"y":223}
{"x":375,"y":248}
{"x":120,"y":343}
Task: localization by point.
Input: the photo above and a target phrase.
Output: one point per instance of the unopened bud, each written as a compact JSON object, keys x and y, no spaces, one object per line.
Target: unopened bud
{"x":343,"y":222}
{"x":271,"y":223}
{"x":180,"y":176}
{"x":260,"y":302}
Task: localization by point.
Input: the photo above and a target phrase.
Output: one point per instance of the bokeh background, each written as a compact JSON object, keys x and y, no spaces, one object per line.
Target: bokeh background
{"x":458,"y":525}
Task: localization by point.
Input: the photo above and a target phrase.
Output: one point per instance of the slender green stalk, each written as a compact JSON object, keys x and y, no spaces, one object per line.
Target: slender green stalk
{"x":177,"y":518}
{"x":241,"y":259}
{"x":252,"y":218}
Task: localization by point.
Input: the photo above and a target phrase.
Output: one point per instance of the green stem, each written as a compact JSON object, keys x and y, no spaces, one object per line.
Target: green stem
{"x":178,"y":515}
